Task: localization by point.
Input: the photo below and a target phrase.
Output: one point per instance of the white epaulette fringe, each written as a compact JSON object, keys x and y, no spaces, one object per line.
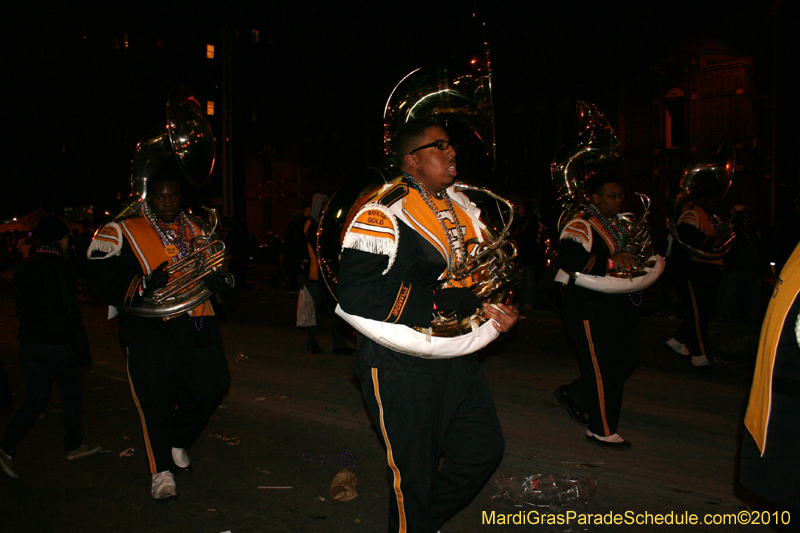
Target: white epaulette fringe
{"x":109,"y":245}
{"x":374,"y":245}
{"x":583,"y":236}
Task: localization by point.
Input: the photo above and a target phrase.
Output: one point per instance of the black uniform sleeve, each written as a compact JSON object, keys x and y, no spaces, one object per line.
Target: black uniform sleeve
{"x":573,"y":257}
{"x":115,"y":279}
{"x":363,"y":290}
{"x":695,"y":238}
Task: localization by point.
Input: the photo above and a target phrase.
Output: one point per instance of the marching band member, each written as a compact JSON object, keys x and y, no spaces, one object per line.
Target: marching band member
{"x":699,"y":279}
{"x":176,"y":367}
{"x":398,"y":246}
{"x":603,"y":327}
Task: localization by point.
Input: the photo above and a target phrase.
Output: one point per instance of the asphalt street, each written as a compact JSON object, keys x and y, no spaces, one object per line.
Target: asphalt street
{"x":292,"y":420}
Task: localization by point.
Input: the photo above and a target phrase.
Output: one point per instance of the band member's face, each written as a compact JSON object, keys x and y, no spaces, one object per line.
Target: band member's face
{"x":165,"y":200}
{"x":609,"y":200}
{"x":435,"y":168}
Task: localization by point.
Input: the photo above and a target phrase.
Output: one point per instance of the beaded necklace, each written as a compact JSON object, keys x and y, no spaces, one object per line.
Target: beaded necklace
{"x":457,"y":247}
{"x":178,"y":240}
{"x":46,"y":248}
{"x":170,"y":237}
{"x":618,"y":236}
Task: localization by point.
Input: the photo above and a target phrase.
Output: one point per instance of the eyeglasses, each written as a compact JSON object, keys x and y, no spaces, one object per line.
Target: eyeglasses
{"x":441,"y":145}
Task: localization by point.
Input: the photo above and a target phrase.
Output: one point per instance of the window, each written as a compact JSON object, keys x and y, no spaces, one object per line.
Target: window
{"x":254,"y":34}
{"x":210,"y":51}
{"x":210,"y":107}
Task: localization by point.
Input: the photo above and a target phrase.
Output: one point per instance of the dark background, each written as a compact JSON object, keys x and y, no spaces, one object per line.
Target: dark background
{"x":75,"y":106}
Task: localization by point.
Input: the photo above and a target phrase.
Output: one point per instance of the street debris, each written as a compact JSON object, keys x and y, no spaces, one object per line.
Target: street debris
{"x":230,"y":441}
{"x":547,"y":490}
{"x":579,"y":464}
{"x":347,"y":456}
{"x":343,"y":486}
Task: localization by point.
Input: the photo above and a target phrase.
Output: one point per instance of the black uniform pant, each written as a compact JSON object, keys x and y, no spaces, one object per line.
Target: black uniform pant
{"x":42,"y":364}
{"x":607,"y":346}
{"x":697,"y":296}
{"x":421,"y":416}
{"x":176,"y":391}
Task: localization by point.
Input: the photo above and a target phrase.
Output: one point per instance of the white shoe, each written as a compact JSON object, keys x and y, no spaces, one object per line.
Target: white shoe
{"x":679,"y":347}
{"x":82,"y":451}
{"x":181,"y":458}
{"x":700,"y":360}
{"x":8,"y":465}
{"x":163,"y":485}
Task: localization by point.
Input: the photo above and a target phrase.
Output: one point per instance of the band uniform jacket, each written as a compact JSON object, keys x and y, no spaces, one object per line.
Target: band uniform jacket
{"x":778,"y":328}
{"x":393,"y":255}
{"x":120,"y":256}
{"x":696,"y":229}
{"x":585,"y":247}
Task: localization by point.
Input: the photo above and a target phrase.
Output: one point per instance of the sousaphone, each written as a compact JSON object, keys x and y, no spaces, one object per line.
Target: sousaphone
{"x":459,"y":94}
{"x":706,"y":180}
{"x":597,"y":146}
{"x":185,"y":138}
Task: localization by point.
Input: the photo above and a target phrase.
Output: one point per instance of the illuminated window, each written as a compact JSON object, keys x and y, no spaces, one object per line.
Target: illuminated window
{"x":674,"y":119}
{"x":255,"y":35}
{"x":121,"y":43}
{"x":210,"y":51}
{"x":210,"y":107}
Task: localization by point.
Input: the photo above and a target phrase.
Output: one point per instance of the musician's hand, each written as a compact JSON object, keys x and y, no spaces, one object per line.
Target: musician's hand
{"x":155,"y":280}
{"x":623,"y":260}
{"x":504,"y":316}
{"x":462,"y":301}
{"x":723,"y":238}
{"x":220,"y":283}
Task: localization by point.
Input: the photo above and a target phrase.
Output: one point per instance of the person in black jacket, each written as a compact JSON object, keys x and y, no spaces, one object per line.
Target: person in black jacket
{"x":176,"y":366}
{"x":698,"y":279}
{"x":53,"y":341}
{"x":398,"y":248}
{"x":603,"y":326}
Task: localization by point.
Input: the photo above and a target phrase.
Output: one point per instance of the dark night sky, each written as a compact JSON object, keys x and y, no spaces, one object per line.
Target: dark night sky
{"x":333,"y":65}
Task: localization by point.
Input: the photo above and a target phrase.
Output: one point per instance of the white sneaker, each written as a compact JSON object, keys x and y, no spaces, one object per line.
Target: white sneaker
{"x":163,"y":485}
{"x":8,"y":465}
{"x":83,"y":451}
{"x":180,"y":457}
{"x":700,"y":360}
{"x":679,"y":347}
